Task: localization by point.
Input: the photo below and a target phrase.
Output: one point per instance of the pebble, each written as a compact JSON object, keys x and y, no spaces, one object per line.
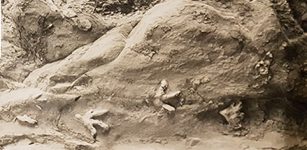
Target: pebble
{"x":84,"y":24}
{"x":26,"y":119}
{"x":193,"y":141}
{"x":168,"y":108}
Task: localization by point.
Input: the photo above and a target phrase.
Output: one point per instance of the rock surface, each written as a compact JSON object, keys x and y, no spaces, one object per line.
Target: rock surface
{"x":194,"y":58}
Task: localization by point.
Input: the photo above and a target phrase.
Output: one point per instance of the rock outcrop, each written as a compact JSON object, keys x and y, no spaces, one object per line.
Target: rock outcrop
{"x":62,"y":58}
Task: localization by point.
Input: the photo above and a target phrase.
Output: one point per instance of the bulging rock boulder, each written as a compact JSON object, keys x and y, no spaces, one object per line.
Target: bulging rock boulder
{"x":194,"y":39}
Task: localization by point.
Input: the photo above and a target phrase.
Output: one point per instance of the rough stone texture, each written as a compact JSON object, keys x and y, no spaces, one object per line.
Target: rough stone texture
{"x":62,"y":58}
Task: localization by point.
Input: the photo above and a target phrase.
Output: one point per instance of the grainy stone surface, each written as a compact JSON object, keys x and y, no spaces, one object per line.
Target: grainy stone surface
{"x":208,"y":62}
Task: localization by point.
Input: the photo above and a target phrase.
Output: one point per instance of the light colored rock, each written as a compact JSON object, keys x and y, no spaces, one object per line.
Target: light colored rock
{"x":168,"y":108}
{"x":263,"y":67}
{"x":19,"y":96}
{"x":162,"y":88}
{"x":170,"y":95}
{"x":26,"y":119}
{"x":169,"y":99}
{"x":27,"y":144}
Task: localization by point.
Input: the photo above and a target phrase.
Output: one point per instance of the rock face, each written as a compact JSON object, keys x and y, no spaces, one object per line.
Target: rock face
{"x":197,"y":58}
{"x":148,"y":51}
{"x":49,"y":34}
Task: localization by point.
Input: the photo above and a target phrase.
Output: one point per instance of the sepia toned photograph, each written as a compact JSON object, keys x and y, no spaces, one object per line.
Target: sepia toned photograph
{"x":153,"y":75}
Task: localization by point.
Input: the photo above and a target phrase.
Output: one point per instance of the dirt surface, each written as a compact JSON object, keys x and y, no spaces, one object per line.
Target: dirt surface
{"x":154,"y":75}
